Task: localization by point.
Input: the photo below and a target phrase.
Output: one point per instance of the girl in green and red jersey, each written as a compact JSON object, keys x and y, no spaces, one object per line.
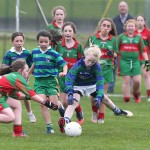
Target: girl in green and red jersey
{"x":130,"y":45}
{"x":105,"y":38}
{"x":59,"y":14}
{"x":71,"y":50}
{"x":14,"y":85}
{"x":143,"y":30}
{"x":18,"y":51}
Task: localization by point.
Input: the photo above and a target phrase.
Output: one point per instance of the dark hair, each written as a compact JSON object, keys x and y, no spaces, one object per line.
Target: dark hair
{"x":73,"y":26}
{"x":15,"y":34}
{"x":16,"y":65}
{"x":113,"y":30}
{"x":56,"y":36}
{"x":44,"y":33}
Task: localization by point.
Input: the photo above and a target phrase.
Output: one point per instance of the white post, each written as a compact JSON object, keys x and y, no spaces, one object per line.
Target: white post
{"x":40,"y":8}
{"x":17,"y":15}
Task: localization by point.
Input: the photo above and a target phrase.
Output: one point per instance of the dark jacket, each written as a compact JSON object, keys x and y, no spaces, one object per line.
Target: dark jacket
{"x":119,"y":24}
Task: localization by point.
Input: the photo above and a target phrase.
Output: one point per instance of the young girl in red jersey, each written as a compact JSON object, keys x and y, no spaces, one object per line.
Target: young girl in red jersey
{"x":143,"y":30}
{"x":71,"y":50}
{"x":130,"y":45}
{"x":59,"y":14}
{"x":14,"y":85}
{"x":104,"y":37}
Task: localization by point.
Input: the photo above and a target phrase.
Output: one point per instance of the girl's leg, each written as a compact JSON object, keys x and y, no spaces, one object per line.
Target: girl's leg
{"x":126,"y":88}
{"x":29,"y":111}
{"x":7,"y":115}
{"x":68,"y":113}
{"x":46,"y":115}
{"x":146,"y":76}
{"x":101,"y":113}
{"x":17,"y":109}
{"x":136,"y":88}
{"x":79,"y":112}
{"x":63,"y":99}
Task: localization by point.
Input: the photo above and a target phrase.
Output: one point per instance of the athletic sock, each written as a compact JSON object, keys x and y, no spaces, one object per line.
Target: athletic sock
{"x":17,"y":129}
{"x":126,"y":99}
{"x":100,"y":115}
{"x":67,"y":119}
{"x":148,"y":93}
{"x":94,"y":109}
{"x":116,"y":110}
{"x":78,"y":108}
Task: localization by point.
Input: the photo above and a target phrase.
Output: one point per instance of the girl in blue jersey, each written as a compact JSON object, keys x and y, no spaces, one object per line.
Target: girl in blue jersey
{"x":16,"y":52}
{"x":47,"y":65}
{"x":85,"y":78}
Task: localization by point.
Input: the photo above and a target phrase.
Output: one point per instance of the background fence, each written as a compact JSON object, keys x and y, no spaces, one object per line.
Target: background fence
{"x":84,"y":13}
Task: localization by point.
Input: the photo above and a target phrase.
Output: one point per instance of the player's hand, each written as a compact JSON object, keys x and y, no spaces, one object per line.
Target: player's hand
{"x":50,"y":105}
{"x":147,"y":65}
{"x":110,"y":53}
{"x":62,"y":74}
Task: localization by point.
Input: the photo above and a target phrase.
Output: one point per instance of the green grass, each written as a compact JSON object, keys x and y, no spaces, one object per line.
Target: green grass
{"x":117,"y":133}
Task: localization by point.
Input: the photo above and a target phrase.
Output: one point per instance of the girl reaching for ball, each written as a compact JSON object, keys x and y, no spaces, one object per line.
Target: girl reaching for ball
{"x":85,"y":78}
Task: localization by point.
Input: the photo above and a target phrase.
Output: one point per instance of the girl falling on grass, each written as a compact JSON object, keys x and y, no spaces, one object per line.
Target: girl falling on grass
{"x":13,"y":84}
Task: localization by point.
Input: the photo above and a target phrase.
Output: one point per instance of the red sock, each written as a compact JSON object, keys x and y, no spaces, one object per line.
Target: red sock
{"x":136,"y":95}
{"x":100,"y":115}
{"x":17,"y":129}
{"x":78,"y":108}
{"x":126,"y":99}
{"x":94,"y":109}
{"x":148,"y":93}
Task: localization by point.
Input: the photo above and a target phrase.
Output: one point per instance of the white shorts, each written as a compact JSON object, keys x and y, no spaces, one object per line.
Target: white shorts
{"x":86,"y":90}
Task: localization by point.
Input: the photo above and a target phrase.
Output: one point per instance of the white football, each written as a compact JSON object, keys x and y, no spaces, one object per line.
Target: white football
{"x":73,"y":129}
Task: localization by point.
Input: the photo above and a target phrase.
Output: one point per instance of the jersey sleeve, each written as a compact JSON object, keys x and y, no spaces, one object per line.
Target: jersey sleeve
{"x":7,"y":59}
{"x":22,"y":86}
{"x":141,"y":46}
{"x":29,"y":60}
{"x":99,"y":81}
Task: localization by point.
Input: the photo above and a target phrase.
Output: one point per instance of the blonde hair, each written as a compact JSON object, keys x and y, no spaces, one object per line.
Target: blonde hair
{"x":129,"y":21}
{"x":93,"y":50}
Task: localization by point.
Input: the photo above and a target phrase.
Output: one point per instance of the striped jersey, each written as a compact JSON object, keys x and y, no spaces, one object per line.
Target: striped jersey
{"x":12,"y":55}
{"x":47,"y":63}
{"x":104,"y":45}
{"x":70,"y":55}
{"x":80,"y":75}
{"x":130,"y":48}
{"x":13,"y":83}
